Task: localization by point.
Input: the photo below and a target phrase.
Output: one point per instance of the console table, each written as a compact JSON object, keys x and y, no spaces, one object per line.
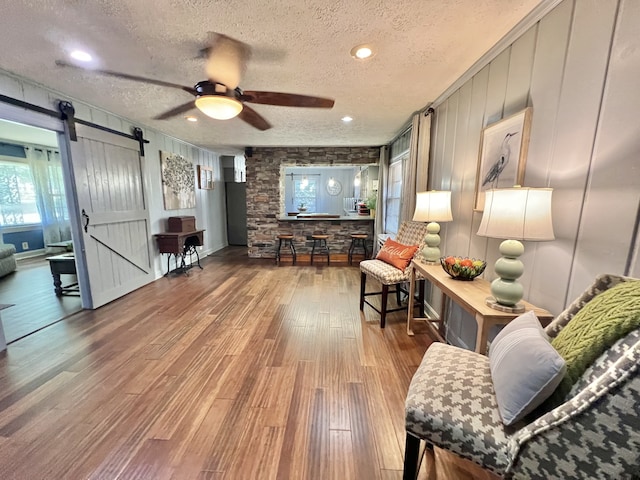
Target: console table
{"x":179,"y":245}
{"x":471,"y":296}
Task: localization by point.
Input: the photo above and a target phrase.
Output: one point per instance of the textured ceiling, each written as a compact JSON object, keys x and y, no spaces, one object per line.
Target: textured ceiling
{"x":299,"y":46}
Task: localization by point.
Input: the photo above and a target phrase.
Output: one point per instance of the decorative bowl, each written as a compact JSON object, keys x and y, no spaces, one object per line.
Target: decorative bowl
{"x":462,"y":268}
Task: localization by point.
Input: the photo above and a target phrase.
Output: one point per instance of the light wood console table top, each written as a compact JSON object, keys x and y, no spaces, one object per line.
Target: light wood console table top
{"x":471,"y":296}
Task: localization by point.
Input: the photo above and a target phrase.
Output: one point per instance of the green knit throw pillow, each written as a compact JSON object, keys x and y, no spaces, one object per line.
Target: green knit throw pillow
{"x":608,"y":317}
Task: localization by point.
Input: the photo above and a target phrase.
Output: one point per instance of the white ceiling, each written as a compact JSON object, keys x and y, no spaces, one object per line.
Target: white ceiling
{"x":299,"y":46}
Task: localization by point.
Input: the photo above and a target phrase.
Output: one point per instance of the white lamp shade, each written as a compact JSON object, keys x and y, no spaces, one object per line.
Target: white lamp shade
{"x":219,"y":106}
{"x":433,"y":206}
{"x":518,"y":213}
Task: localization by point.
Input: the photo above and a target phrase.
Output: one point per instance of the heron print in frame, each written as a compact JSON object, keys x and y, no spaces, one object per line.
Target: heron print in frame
{"x":503,"y":154}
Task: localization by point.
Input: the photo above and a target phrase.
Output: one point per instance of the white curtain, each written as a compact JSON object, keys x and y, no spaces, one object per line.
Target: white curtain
{"x":416,"y":170}
{"x":423,"y":147}
{"x":383,"y":173}
{"x":46,"y":170}
{"x":409,"y":171}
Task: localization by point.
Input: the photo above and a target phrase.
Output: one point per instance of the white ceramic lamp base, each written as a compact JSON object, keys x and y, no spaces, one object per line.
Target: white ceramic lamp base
{"x":431,"y":250}
{"x":506,"y":290}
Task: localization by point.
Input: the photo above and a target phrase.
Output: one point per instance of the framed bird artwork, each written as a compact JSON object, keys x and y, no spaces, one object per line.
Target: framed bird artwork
{"x":503,"y":154}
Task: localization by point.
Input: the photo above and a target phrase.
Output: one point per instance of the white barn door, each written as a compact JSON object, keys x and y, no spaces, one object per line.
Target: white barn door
{"x":108,"y":176}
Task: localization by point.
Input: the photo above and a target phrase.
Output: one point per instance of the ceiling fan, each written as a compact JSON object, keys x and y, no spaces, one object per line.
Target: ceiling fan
{"x":220,"y":97}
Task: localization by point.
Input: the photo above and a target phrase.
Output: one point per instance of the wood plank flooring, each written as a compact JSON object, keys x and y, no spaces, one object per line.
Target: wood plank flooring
{"x":243,"y":370}
{"x":30,"y":289}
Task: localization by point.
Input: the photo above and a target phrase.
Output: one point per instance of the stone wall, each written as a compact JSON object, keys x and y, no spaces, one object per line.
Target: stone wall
{"x":265,"y":191}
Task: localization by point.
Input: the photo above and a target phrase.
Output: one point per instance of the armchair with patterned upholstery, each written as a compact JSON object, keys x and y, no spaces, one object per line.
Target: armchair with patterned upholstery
{"x":593,"y":432}
{"x":7,"y":258}
{"x":410,"y":233}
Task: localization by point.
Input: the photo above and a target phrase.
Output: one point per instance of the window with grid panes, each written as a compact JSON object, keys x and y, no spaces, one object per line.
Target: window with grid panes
{"x":399,"y":153}
{"x":17,"y":195}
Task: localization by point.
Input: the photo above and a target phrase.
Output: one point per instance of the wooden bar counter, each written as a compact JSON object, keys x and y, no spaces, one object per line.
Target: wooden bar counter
{"x":338,"y":227}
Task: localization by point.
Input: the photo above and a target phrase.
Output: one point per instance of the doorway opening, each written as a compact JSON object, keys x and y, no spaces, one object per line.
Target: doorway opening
{"x":34,"y":218}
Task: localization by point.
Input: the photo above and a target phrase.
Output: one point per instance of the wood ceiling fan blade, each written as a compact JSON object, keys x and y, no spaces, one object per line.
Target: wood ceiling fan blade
{"x":227,"y":60}
{"x":253,"y":118}
{"x":286,"y":99}
{"x":176,"y":110}
{"x":126,"y":76}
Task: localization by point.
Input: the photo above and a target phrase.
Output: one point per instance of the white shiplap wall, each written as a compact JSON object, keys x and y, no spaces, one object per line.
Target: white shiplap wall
{"x":210,"y":207}
{"x":578,"y":68}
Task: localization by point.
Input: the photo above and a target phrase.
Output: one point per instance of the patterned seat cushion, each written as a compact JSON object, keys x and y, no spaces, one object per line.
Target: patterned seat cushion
{"x":383,"y":272}
{"x":451,"y":404}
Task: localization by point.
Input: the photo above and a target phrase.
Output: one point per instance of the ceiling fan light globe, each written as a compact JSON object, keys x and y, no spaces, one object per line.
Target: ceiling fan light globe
{"x":219,"y":107}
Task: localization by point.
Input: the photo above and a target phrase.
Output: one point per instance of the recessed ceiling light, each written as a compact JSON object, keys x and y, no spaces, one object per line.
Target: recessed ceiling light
{"x":347,"y":119}
{"x":81,"y":56}
{"x":191,"y":118}
{"x":361,"y":52}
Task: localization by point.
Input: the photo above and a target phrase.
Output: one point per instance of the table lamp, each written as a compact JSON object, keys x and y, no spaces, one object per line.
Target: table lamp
{"x":432,"y":207}
{"x":518,"y":213}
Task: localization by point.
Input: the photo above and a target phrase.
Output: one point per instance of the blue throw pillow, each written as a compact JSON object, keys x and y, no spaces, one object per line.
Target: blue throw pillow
{"x":525,"y":368}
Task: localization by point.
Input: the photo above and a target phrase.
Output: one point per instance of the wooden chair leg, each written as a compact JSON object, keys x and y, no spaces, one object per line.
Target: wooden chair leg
{"x":411,"y":457}
{"x":383,"y":305}
{"x":398,"y":294}
{"x":421,"y":297}
{"x":363,"y":284}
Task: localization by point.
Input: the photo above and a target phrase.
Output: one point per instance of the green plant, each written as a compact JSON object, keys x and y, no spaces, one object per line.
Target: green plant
{"x":371,"y":200}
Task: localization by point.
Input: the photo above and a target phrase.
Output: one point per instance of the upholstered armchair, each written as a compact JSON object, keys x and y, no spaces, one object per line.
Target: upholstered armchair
{"x":409,"y":233}
{"x":594,"y":431}
{"x":7,"y":258}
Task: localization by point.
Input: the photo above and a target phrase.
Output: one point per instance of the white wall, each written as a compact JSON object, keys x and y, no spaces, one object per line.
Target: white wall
{"x":578,"y":68}
{"x":210,"y":207}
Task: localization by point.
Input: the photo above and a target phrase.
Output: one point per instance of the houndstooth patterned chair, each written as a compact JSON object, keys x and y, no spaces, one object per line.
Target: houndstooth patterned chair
{"x":410,"y":233}
{"x":595,"y":434}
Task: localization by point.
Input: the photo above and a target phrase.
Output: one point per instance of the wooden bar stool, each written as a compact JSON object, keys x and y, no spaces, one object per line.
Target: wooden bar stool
{"x":320,"y":240}
{"x":288,"y":241}
{"x":358,"y":240}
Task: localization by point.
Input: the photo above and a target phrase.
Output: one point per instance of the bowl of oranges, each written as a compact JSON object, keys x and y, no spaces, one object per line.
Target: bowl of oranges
{"x":462,"y":268}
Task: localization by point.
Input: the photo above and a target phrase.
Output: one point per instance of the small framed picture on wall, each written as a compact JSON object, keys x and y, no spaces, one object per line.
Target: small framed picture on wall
{"x":205,"y":177}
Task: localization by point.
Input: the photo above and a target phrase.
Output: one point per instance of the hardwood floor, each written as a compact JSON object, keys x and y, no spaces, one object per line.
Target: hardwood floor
{"x":30,"y":289}
{"x":243,"y":370}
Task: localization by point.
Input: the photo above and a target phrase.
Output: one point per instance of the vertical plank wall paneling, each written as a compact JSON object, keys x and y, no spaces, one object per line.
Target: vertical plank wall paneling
{"x":613,"y":194}
{"x":455,"y":232}
{"x":577,"y":69}
{"x":520,"y":71}
{"x":574,"y":131}
{"x":477,"y":245}
{"x":209,"y":211}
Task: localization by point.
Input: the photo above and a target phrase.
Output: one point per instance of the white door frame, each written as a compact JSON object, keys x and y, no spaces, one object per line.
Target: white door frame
{"x":36,"y":119}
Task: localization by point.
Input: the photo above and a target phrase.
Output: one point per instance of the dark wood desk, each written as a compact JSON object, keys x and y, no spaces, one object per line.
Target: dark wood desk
{"x":179,"y":245}
{"x":471,"y":296}
{"x":64,"y":264}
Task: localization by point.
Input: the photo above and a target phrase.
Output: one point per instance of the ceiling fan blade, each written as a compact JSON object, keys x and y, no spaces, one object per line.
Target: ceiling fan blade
{"x":253,"y":118}
{"x":126,"y":76}
{"x":176,"y":111}
{"x":286,"y":99}
{"x":226,"y":60}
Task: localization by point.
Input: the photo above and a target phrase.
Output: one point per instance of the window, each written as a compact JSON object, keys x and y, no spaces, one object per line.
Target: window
{"x":399,"y":154}
{"x":393,"y":196}
{"x":305,"y":192}
{"x":17,"y":195}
